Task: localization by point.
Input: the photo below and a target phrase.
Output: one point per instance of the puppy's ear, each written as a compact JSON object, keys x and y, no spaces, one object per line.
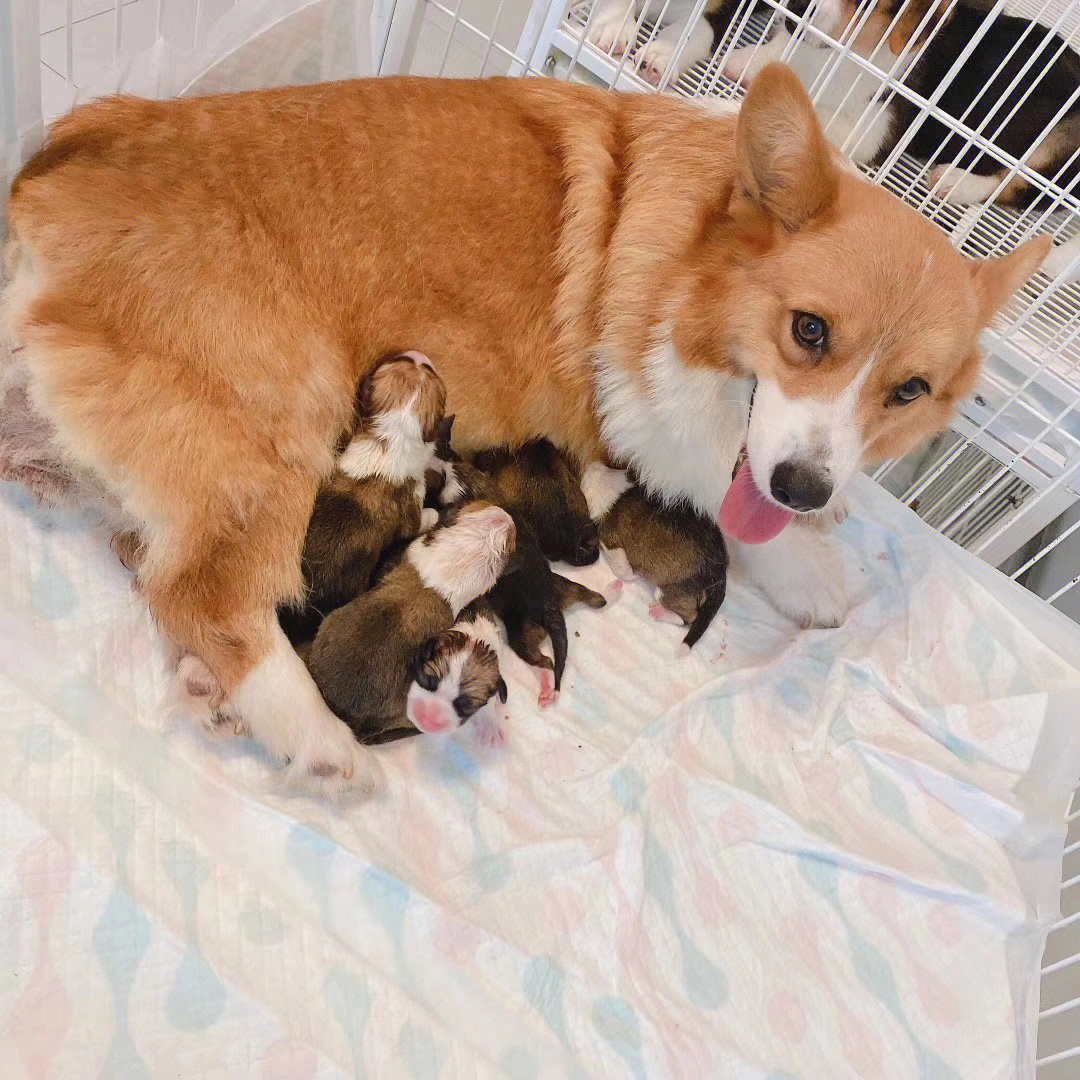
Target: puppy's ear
{"x":426,"y":653}
{"x":997,"y":279}
{"x":363,"y":395}
{"x":500,"y":689}
{"x":783,"y":161}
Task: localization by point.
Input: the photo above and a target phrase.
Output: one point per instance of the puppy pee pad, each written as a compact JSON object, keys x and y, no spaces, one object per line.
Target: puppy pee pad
{"x":791,"y":854}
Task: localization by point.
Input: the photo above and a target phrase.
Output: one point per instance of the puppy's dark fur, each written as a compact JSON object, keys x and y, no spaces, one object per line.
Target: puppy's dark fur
{"x":364,"y":656}
{"x":529,"y":598}
{"x":538,"y":486}
{"x":675,"y":548}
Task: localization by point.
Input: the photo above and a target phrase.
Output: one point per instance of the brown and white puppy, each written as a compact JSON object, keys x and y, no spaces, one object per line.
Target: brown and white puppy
{"x":458,"y":679}
{"x":537,"y":484}
{"x":194,"y":316}
{"x":673,"y":547}
{"x":364,"y":656}
{"x":375,"y":495}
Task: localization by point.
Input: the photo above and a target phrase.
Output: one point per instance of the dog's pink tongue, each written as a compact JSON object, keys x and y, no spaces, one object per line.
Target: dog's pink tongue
{"x":746,"y":514}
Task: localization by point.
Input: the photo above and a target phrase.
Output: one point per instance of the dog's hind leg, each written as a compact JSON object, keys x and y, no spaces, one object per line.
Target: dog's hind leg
{"x":218,"y":600}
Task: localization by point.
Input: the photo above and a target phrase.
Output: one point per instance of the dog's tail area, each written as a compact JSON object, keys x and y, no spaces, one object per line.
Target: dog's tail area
{"x":714,"y":597}
{"x":555,"y":625}
{"x":570,"y":593}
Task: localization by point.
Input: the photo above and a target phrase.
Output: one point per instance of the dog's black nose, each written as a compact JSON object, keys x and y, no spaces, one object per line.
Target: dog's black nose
{"x":799,"y":487}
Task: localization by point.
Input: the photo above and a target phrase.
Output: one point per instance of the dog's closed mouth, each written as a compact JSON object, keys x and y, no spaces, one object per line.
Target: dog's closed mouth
{"x":746,"y":514}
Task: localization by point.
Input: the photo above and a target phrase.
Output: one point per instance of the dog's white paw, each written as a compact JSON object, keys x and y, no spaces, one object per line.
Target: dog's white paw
{"x":955,"y":185}
{"x":429,"y":518}
{"x":745,"y":63}
{"x":801,"y":572}
{"x":662,"y":614}
{"x":328,"y":762}
{"x":613,"y":29}
{"x":658,"y":59}
{"x":283,"y":708}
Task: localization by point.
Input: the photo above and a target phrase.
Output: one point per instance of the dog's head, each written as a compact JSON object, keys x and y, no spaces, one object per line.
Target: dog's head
{"x":538,"y":484}
{"x":403,"y":388}
{"x":456,"y":676}
{"x":855,"y":316}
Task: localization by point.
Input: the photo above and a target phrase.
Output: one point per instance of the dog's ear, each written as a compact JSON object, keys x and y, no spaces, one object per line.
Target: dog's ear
{"x":997,"y":279}
{"x":500,"y":689}
{"x":445,"y":430}
{"x":784,"y":163}
{"x":426,"y":653}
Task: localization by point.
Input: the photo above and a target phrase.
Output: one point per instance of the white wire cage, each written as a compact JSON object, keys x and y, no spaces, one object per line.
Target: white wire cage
{"x":1004,"y":482}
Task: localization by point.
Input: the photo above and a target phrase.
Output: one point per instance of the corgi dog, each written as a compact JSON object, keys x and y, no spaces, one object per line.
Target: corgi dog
{"x":196,"y":289}
{"x":1018,"y":84}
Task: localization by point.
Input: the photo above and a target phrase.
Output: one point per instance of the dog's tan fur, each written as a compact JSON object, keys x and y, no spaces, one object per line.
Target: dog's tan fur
{"x":201,"y":284}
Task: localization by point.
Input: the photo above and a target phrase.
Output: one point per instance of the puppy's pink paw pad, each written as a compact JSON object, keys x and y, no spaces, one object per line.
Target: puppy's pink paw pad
{"x":548,"y":693}
{"x":664,"y":615}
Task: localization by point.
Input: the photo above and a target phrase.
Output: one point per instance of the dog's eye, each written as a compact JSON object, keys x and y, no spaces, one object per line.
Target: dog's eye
{"x":810,"y":331}
{"x":464,"y":706}
{"x":907,"y":392}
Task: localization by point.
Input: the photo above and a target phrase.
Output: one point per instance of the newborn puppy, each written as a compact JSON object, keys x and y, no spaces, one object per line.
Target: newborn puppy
{"x":538,"y":486}
{"x":672,"y":547}
{"x":364,"y":656}
{"x":375,"y":495}
{"x":529,"y":597}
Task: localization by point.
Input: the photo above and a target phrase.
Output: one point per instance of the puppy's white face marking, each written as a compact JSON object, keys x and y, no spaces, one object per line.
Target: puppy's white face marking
{"x":432,"y":711}
{"x":682,"y":428}
{"x":822,"y":433}
{"x":464,"y":560}
{"x":395,"y":450}
{"x":602,"y":487}
{"x":485,"y":630}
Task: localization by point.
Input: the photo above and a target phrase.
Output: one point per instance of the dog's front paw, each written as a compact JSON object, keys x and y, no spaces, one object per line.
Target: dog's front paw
{"x":658,"y":60}
{"x":955,"y":185}
{"x":801,"y":572}
{"x":613,"y":29}
{"x":744,"y":64}
{"x":330,"y":763}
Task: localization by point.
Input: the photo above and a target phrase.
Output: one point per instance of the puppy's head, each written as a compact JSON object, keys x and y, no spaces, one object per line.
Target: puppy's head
{"x":853,"y":313}
{"x":403,"y":389}
{"x":538,"y":483}
{"x":463,"y":556}
{"x":456,"y":676}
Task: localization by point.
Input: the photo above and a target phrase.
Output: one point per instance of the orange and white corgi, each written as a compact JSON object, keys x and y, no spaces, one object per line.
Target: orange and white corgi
{"x":198,"y":286}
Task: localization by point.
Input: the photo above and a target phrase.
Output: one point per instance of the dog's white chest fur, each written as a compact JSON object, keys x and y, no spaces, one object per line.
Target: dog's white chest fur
{"x":680,"y":427}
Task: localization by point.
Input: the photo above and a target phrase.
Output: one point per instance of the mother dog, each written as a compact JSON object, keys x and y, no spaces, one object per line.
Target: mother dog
{"x":198,"y":286}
